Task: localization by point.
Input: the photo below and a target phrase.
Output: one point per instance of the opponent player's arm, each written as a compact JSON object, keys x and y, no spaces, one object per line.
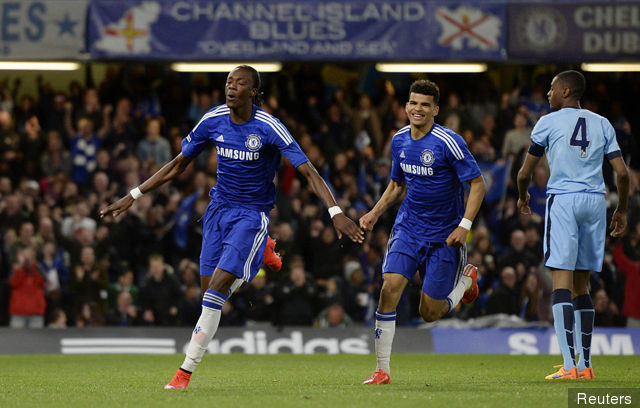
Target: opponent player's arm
{"x":524,"y":179}
{"x":391,"y":195}
{"x":341,"y":222}
{"x":168,"y":172}
{"x":619,"y":218}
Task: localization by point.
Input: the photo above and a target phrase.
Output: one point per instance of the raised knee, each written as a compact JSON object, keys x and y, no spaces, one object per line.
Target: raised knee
{"x":429,"y":316}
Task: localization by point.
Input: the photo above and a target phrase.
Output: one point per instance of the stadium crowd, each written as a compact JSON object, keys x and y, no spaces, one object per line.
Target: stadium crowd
{"x":67,"y":153}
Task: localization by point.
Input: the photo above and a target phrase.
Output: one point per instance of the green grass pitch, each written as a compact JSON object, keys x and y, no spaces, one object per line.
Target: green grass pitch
{"x":285,"y":380}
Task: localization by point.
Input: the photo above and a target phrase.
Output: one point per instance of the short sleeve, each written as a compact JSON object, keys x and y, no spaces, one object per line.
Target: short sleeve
{"x":198,"y":139}
{"x":458,"y":155}
{"x":397,"y":174}
{"x":540,"y":133}
{"x":283,"y":140}
{"x":611,"y":148}
{"x":466,"y":167}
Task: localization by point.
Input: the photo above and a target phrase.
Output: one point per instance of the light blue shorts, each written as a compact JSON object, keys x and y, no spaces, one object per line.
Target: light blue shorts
{"x":233,"y":239}
{"x":574,"y":231}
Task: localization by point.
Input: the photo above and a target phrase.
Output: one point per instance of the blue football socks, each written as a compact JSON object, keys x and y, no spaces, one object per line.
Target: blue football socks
{"x":563,"y":323}
{"x":584,"y":315}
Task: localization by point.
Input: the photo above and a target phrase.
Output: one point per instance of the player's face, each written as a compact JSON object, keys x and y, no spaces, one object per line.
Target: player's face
{"x":239,"y":88}
{"x":555,"y":94}
{"x":421,"y":109}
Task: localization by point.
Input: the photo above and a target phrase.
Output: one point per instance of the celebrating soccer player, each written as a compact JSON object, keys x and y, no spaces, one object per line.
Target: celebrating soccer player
{"x":431,"y":162}
{"x":576,"y":142}
{"x":248,"y":142}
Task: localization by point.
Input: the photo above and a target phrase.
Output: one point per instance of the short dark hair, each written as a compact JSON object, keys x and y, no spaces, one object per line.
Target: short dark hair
{"x":257,"y":84}
{"x":575,"y":81}
{"x":426,"y":87}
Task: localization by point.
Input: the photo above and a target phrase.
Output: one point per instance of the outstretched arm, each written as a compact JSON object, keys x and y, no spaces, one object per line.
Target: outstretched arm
{"x":391,"y":195}
{"x":619,"y":219}
{"x":168,"y":172}
{"x":458,"y":236}
{"x":341,"y":222}
{"x":524,"y":179}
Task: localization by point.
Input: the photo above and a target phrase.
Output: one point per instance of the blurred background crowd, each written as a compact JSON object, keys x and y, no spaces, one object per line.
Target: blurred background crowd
{"x":67,"y":153}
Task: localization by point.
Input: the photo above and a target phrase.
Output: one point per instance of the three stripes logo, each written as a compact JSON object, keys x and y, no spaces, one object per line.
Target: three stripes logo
{"x":106,"y":345}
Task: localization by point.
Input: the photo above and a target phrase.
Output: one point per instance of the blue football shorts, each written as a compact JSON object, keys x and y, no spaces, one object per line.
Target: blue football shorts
{"x":233,"y":239}
{"x":574,"y":231}
{"x":440,"y":266}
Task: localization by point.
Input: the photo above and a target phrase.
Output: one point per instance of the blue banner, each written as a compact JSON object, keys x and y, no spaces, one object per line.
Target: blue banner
{"x":300,"y":30}
{"x":596,"y":31}
{"x":605,"y":341}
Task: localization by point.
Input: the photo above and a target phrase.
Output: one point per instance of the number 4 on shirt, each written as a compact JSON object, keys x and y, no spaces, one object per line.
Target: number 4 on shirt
{"x":579,"y":136}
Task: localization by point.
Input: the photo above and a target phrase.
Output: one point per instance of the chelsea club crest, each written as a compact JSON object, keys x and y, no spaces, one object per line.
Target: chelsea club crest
{"x":253,"y":142}
{"x":427,"y":157}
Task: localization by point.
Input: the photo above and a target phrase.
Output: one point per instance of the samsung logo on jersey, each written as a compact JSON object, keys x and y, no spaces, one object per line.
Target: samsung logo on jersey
{"x":237,"y":154}
{"x":418,"y":170}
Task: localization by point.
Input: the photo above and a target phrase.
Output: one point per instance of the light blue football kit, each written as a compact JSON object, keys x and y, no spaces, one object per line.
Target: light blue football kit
{"x":576,"y":141}
{"x":434,"y":168}
{"x":236,"y":222}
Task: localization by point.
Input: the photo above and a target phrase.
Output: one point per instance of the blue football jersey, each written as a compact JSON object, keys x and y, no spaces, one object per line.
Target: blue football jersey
{"x":434,"y":168}
{"x":248,"y":155}
{"x":576,"y":142}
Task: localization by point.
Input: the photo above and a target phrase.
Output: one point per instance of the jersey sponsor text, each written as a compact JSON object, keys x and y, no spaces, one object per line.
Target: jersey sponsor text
{"x":237,"y":154}
{"x":418,"y":170}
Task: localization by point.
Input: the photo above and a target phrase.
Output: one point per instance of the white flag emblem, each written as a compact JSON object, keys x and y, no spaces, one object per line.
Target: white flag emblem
{"x":480,"y":29}
{"x":132,"y":33}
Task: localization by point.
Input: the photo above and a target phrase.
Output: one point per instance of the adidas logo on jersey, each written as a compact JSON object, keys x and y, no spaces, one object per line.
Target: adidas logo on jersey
{"x":220,"y":138}
{"x":402,"y":155}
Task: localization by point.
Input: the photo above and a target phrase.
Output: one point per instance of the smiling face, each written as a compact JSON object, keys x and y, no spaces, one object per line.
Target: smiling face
{"x":421,"y":109}
{"x":239,"y":89}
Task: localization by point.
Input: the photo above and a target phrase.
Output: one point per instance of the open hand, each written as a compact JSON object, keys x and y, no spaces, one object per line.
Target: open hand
{"x":344,"y":225}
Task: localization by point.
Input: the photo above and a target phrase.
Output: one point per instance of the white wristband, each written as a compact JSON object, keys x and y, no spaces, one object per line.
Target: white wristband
{"x":333,"y":211}
{"x":136,"y":193}
{"x":465,"y":223}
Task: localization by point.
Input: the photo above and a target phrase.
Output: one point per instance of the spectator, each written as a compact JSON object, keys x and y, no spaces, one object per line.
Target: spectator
{"x":518,"y":255}
{"x":357,"y":295}
{"x":607,"y":313}
{"x":125,"y":313}
{"x":529,"y":298}
{"x":90,"y":286}
{"x":27,"y":304}
{"x":631,"y":269}
{"x":84,"y":146}
{"x":517,"y":139}
{"x":154,"y":151}
{"x":259,"y":298}
{"x":295,"y":297}
{"x":160,"y":295}
{"x":505,"y":297}
{"x":57,"y":319}
{"x":125,"y":283}
{"x":333,"y":316}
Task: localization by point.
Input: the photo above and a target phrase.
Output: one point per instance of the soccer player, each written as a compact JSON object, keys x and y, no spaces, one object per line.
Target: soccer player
{"x":430,"y":162}
{"x":248,"y":142}
{"x":576,"y":142}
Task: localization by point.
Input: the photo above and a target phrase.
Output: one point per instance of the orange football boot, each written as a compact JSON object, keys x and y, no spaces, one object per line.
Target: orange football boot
{"x":472,"y":293}
{"x":562,"y":374}
{"x":179,"y":381}
{"x":271,"y":258}
{"x":379,"y":377}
